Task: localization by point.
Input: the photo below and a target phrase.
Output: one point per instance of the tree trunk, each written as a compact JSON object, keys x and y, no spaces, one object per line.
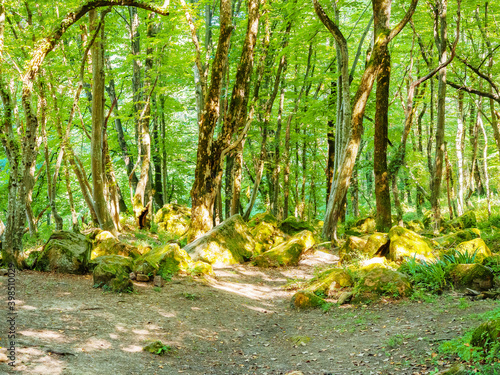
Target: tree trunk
{"x":459,"y":145}
{"x":98,"y":172}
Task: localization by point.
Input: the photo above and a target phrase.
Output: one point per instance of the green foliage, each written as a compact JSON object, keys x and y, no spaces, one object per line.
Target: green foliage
{"x":429,"y":276}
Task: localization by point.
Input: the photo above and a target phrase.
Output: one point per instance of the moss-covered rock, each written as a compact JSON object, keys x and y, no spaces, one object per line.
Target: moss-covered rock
{"x":266,"y":235}
{"x":112,"y":272}
{"x":405,"y":243}
{"x":416,"y":226}
{"x":487,"y":335}
{"x":453,"y":239}
{"x":263,"y":217}
{"x":173,"y":218}
{"x":157,"y":347}
{"x":288,"y":253}
{"x":291,"y":226}
{"x":375,"y":241}
{"x":382,"y":281}
{"x":329,"y":282}
{"x":199,"y":268}
{"x":228,"y":243}
{"x":474,"y":276}
{"x":476,"y":246}
{"x":352,"y":248}
{"x":363,"y":226}
{"x":31,"y":259}
{"x":106,"y":244}
{"x":65,"y":252}
{"x":304,"y":299}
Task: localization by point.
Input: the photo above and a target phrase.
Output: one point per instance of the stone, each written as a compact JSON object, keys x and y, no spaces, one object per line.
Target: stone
{"x":132,"y":275}
{"x":453,"y":239}
{"x":473,"y":276}
{"x":362,"y":226}
{"x":291,"y":226}
{"x":173,"y":218}
{"x":486,"y":335}
{"x":416,"y":226}
{"x":264,"y":217}
{"x":31,"y":259}
{"x":199,"y":268}
{"x":142,"y":278}
{"x":405,"y":243}
{"x":228,"y":243}
{"x":105,"y":243}
{"x":458,"y":369}
{"x":374,"y":242}
{"x":158,"y":281}
{"x":477,"y":246}
{"x":266,"y":235}
{"x":344,"y":298}
{"x":109,"y":267}
{"x":352,"y":248}
{"x":304,"y":299}
{"x":65,"y":252}
{"x":330,"y":281}
{"x":120,"y":284}
{"x":381,"y":281}
{"x":287,"y":253}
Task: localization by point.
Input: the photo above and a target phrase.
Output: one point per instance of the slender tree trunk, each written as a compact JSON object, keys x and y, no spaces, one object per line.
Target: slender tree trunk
{"x":459,"y":145}
{"x":74,"y":217}
{"x":485,"y":164}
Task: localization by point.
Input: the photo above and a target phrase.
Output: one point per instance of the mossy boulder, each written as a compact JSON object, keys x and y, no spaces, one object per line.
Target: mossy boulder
{"x":405,"y":243}
{"x":173,"y":218}
{"x":474,"y":276}
{"x":65,"y":252}
{"x":263,"y":217}
{"x":382,"y":281}
{"x":288,"y":253}
{"x":228,"y":243}
{"x":112,"y":272}
{"x":487,"y":335}
{"x":106,"y":244}
{"x":374,"y":242}
{"x":291,"y":226}
{"x":453,"y":239}
{"x":352,"y":248}
{"x":330,"y":281}
{"x":304,"y":299}
{"x":29,"y":260}
{"x":199,"y":268}
{"x":363,"y":226}
{"x":476,"y":246}
{"x":266,"y":235}
{"x":416,"y":226}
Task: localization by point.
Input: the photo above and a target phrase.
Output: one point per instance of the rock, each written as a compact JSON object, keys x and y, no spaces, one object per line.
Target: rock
{"x":266,"y":235}
{"x":382,"y":281}
{"x":159,"y":282}
{"x":473,"y":276}
{"x":374,"y":242}
{"x":476,"y":246}
{"x":4,"y":272}
{"x":111,"y":267}
{"x":199,"y":268}
{"x":132,"y":275}
{"x":106,"y":244}
{"x":329,"y":281}
{"x":352,"y":249}
{"x":65,"y":252}
{"x":415,"y":226}
{"x":362,"y":226}
{"x":455,"y":238}
{"x":304,"y":299}
{"x":264,"y":217}
{"x":487,"y":335}
{"x":345,"y":298}
{"x":228,"y":243}
{"x":142,"y":278}
{"x":288,"y":253}
{"x":31,"y":259}
{"x":173,"y":218}
{"x":291,"y":226}
{"x":405,"y":243}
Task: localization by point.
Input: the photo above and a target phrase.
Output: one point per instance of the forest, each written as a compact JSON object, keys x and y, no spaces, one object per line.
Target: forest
{"x":344,"y":153}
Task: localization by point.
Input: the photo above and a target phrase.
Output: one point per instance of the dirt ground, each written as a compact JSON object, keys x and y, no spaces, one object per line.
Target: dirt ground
{"x":239,"y":322}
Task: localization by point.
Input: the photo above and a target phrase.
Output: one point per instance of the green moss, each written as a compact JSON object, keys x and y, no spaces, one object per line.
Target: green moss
{"x":200,"y":268}
{"x":454,"y":239}
{"x":352,"y":249}
{"x":405,"y":243}
{"x":382,"y":281}
{"x":304,"y":299}
{"x":229,"y":243}
{"x":475,"y":276}
{"x":107,"y":244}
{"x":487,"y":335}
{"x":291,"y":225}
{"x":329,"y":281}
{"x":173,"y":218}
{"x":111,"y":272}
{"x":157,"y":347}
{"x":477,"y":246}
{"x":288,"y":253}
{"x":264,"y":217}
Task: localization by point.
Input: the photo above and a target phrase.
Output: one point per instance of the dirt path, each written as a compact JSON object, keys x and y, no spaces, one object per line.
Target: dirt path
{"x":238,"y":323}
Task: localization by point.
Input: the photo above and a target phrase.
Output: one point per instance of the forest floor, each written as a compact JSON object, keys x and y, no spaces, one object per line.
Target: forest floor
{"x":239,"y":322}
